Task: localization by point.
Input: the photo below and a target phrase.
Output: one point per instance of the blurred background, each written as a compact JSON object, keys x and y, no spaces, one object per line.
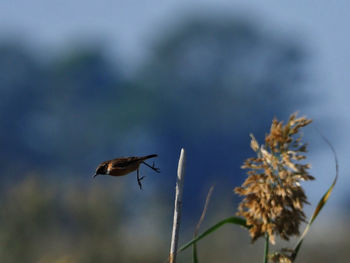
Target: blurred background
{"x":86,"y":81}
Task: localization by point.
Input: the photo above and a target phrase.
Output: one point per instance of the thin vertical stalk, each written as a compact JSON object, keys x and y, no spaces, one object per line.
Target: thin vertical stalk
{"x":266,"y":253}
{"x":178,"y":206}
{"x":196,"y":230}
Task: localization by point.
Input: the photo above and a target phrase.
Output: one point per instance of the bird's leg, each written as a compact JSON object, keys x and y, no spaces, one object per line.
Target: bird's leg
{"x":152,"y":167}
{"x":139,"y":178}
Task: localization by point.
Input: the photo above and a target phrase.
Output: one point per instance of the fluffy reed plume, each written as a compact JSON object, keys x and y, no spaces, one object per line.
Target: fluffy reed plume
{"x":281,"y":257}
{"x":273,"y":198}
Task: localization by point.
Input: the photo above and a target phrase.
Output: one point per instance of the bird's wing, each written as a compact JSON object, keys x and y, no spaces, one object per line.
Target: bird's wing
{"x":124,"y":161}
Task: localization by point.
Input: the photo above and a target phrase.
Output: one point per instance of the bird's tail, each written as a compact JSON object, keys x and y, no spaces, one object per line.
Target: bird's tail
{"x":149,"y":156}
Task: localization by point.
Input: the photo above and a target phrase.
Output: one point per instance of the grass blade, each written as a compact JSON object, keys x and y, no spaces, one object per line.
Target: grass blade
{"x":231,"y":220}
{"x":321,"y":203}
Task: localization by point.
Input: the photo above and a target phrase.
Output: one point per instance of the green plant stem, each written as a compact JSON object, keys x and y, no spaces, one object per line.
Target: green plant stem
{"x":266,"y":254}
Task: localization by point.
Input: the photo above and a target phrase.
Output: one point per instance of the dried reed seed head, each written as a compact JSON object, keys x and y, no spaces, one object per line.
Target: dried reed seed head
{"x":273,"y":198}
{"x":254,"y":143}
{"x":280,"y":258}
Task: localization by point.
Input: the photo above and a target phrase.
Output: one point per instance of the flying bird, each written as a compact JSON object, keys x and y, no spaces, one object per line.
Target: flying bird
{"x":125,"y":165}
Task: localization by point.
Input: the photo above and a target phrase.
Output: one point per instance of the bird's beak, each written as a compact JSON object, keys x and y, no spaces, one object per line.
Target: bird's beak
{"x":94,"y":175}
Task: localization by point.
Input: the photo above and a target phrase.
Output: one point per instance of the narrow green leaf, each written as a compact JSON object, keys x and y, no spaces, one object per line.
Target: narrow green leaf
{"x":320,"y":204}
{"x":232,"y":220}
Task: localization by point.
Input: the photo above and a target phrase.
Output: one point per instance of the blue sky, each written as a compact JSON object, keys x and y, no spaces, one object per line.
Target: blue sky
{"x":322,"y":26}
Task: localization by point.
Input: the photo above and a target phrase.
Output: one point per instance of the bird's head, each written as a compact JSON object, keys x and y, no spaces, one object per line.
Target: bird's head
{"x":101,"y":169}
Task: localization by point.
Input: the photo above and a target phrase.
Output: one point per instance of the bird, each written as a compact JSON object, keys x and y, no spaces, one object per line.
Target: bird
{"x":125,"y":165}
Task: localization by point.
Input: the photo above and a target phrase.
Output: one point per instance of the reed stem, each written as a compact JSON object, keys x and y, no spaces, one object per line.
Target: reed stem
{"x":178,"y":206}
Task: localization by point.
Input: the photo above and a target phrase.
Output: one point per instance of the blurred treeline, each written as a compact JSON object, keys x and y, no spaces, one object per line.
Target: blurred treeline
{"x":205,"y":86}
